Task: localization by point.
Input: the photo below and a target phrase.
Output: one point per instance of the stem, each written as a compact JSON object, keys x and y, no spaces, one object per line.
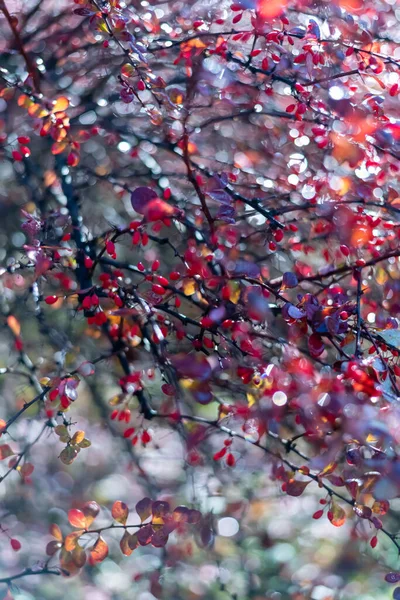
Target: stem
{"x":32,"y":70}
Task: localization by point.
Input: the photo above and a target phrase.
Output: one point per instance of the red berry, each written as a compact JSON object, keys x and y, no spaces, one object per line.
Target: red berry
{"x":15,"y":544}
{"x":145,"y":437}
{"x":230,"y":460}
{"x":158,"y":289}
{"x":51,"y":299}
{"x":129,"y":432}
{"x":17,"y":155}
{"x":220,"y":454}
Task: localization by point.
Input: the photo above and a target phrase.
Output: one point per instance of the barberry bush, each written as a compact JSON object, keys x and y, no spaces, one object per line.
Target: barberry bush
{"x":200,"y":288}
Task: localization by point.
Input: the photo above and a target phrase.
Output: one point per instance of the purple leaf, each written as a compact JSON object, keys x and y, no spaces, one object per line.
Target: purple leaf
{"x":141,"y":197}
{"x":289,"y":280}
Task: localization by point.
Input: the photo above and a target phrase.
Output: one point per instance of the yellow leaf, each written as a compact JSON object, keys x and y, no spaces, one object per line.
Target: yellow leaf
{"x":189,"y":287}
{"x":78,"y":437}
{"x":60,"y":104}
{"x":251,"y":399}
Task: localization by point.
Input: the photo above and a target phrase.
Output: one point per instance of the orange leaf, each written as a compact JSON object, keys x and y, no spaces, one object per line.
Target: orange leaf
{"x":14,"y":325}
{"x":126,"y":543}
{"x":59,"y":147}
{"x":90,"y":510}
{"x":62,"y":103}
{"x":71,"y":540}
{"x":67,"y":563}
{"x":328,"y":469}
{"x":120,"y":512}
{"x":37,"y":111}
{"x":55,"y":531}
{"x":78,"y":437}
{"x":99,"y":551}
{"x":336,"y":515}
{"x":79,"y":556}
{"x":269,"y":9}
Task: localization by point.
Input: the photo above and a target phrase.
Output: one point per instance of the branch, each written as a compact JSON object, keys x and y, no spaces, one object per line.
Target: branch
{"x":32,"y":70}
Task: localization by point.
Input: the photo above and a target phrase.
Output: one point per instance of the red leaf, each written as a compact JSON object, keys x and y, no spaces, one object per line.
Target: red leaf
{"x":296,"y":488}
{"x":77,"y":518}
{"x":145,"y":534}
{"x":5,"y":451}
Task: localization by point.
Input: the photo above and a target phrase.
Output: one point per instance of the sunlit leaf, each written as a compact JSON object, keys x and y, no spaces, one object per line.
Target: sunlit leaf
{"x":71,"y":540}
{"x":124,"y":544}
{"x":270,"y":9}
{"x":120,"y":512}
{"x":127,"y":70}
{"x":336,"y":515}
{"x":99,"y":551}
{"x":79,"y":556}
{"x":60,"y":104}
{"x":90,"y":511}
{"x":14,"y":325}
{"x":77,"y":518}
{"x":78,"y":437}
{"x":55,"y":531}
{"x":380,"y":507}
{"x":189,"y":287}
{"x":67,"y":563}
